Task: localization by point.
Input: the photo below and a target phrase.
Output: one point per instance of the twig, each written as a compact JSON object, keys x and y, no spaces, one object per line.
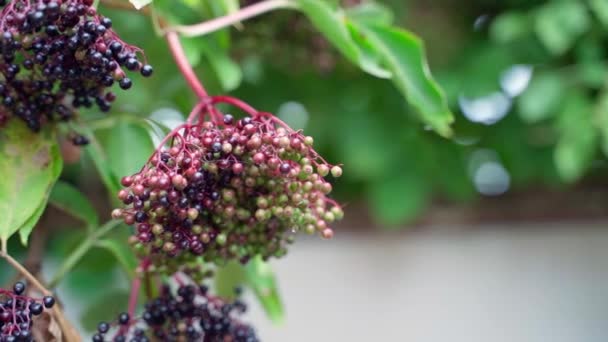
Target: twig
{"x":70,"y":333}
{"x":30,"y":278}
{"x":35,"y":252}
{"x":231,"y":19}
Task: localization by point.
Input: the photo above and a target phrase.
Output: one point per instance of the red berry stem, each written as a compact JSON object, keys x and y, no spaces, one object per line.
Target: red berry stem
{"x":135,"y":287}
{"x":235,"y":102}
{"x":184,"y":66}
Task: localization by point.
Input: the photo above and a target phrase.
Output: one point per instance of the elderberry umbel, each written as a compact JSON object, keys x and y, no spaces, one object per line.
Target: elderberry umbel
{"x":17,"y":312}
{"x":229,"y":189}
{"x":189,"y":314}
{"x":58,"y":55}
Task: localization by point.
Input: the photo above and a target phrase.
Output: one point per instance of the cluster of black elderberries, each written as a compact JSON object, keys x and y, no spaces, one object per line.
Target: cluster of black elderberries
{"x":189,"y":315}
{"x":58,"y":55}
{"x":17,"y":312}
{"x":229,"y":189}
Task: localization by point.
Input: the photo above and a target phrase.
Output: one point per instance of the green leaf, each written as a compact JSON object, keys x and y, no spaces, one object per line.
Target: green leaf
{"x":26,"y":229}
{"x":192,"y":49}
{"x":29,"y":164}
{"x":128,"y":147}
{"x":510,"y":26}
{"x":370,"y":13}
{"x":601,"y":119}
{"x":600,"y":8}
{"x":100,"y":160}
{"x":542,"y":97}
{"x":227,"y":71}
{"x":403,"y":53}
{"x":399,"y":198}
{"x":576,"y":146}
{"x":122,"y":252}
{"x":227,"y":278}
{"x":68,"y":198}
{"x":332,"y":24}
{"x":104,"y":308}
{"x":263,"y":281}
{"x":139,"y":4}
{"x":560,"y":23}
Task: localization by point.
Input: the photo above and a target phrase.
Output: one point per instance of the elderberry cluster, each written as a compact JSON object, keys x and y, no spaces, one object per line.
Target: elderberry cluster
{"x":190,"y":315}
{"x":17,"y":312}
{"x":229,"y":190}
{"x":58,"y":55}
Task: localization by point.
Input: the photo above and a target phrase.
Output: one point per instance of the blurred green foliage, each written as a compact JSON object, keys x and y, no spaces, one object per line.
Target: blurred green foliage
{"x":552,"y":133}
{"x":526,"y":81}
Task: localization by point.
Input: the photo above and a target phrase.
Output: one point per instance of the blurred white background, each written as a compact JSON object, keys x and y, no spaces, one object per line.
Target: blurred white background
{"x":494,"y":283}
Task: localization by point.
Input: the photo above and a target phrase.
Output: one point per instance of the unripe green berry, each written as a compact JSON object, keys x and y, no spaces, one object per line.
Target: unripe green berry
{"x":336,"y":171}
{"x":221,"y":239}
{"x":323,"y":170}
{"x":192,"y":214}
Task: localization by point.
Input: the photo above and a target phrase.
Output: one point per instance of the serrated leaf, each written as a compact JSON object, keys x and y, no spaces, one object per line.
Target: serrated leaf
{"x":68,"y":198}
{"x":332,"y":24}
{"x":139,"y":4}
{"x":122,"y":252}
{"x":403,"y":54}
{"x":559,"y":24}
{"x":263,"y":281}
{"x":29,"y":164}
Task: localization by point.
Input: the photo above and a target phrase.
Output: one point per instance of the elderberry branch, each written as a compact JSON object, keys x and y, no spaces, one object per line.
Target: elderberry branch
{"x":68,"y":330}
{"x":219,"y":23}
{"x":30,"y":277}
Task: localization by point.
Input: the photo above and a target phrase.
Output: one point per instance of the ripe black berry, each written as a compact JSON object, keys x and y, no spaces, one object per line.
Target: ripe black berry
{"x":16,"y":314}
{"x":48,"y":302}
{"x":19,"y":288}
{"x":125,"y":83}
{"x":146,"y":70}
{"x":123,"y":318}
{"x":51,"y":51}
{"x":188,"y":314}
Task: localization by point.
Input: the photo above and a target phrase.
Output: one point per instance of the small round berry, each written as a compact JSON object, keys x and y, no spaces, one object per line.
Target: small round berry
{"x":19,"y":288}
{"x":123,"y":318}
{"x":36,"y":308}
{"x":228,"y":119}
{"x":48,"y":301}
{"x":336,"y":171}
{"x":125,"y":83}
{"x":80,"y":140}
{"x":147,"y":70}
{"x":103,"y":327}
{"x":285,"y":168}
